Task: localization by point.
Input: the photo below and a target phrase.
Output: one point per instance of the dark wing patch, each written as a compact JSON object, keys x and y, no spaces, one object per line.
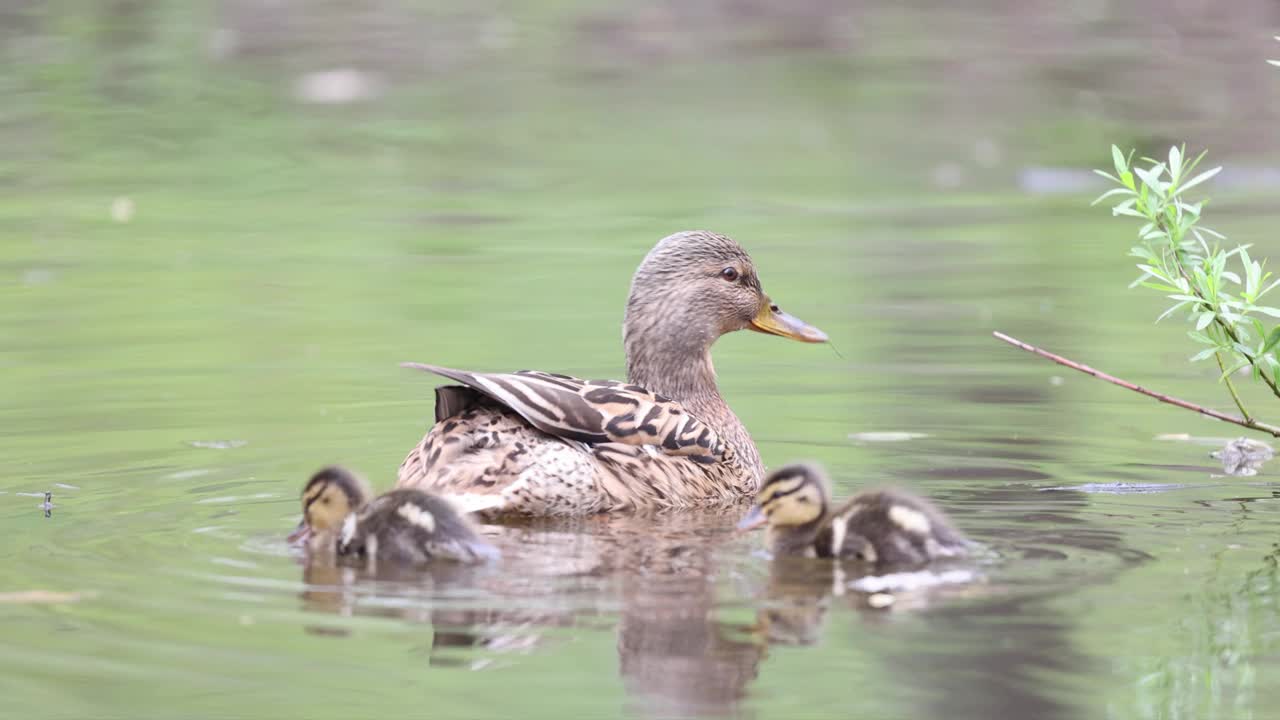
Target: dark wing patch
{"x":454,"y":399}
{"x":594,"y":412}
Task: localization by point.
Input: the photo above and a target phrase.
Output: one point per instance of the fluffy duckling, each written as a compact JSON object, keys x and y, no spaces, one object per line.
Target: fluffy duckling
{"x":885,"y":527}
{"x":405,"y":527}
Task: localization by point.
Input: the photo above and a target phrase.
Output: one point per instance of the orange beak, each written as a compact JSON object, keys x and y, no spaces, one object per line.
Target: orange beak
{"x":772,"y":321}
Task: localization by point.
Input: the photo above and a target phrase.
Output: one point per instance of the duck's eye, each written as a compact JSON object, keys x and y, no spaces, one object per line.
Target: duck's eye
{"x":730,"y":274}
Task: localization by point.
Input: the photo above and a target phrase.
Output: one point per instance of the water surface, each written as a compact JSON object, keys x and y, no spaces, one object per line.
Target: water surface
{"x":207,"y":280}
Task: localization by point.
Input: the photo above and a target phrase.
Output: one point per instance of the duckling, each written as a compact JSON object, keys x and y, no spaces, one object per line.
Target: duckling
{"x":885,"y":527}
{"x":403,"y":527}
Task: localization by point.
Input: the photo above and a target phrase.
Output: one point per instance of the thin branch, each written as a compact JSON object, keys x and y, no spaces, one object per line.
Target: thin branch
{"x":1250,"y":423}
{"x":1226,"y":378}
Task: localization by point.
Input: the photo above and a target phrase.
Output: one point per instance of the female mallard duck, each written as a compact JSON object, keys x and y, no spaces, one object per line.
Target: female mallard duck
{"x":538,"y":443}
{"x":886,"y":527}
{"x":403,"y":527}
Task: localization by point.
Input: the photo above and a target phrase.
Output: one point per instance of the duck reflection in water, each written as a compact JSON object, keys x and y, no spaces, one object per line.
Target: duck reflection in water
{"x":674,"y":656}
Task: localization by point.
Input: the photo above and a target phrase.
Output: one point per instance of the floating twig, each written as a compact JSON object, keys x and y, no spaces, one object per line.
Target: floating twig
{"x":1250,"y":423}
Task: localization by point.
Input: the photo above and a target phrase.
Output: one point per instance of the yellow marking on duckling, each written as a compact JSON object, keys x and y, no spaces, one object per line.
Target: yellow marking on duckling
{"x":912,"y":521}
{"x":780,"y":486}
{"x":417,"y":516}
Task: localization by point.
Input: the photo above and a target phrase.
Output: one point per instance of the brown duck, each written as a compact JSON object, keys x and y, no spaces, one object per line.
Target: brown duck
{"x":538,"y":443}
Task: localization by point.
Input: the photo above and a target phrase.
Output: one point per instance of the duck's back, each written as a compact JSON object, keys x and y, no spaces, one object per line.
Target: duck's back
{"x":617,"y":448}
{"x":488,"y":458}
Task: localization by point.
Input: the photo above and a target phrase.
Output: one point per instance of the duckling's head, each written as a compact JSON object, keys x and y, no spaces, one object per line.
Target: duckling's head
{"x":793,"y":502}
{"x":328,"y":498}
{"x":691,"y":288}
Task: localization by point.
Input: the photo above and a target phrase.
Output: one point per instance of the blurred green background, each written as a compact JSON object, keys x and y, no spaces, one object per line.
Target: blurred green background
{"x":223,"y":223}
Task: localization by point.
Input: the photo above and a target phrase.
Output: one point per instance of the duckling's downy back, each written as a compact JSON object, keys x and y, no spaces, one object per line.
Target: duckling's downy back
{"x":411,"y":527}
{"x":884,"y":527}
{"x":890,"y":527}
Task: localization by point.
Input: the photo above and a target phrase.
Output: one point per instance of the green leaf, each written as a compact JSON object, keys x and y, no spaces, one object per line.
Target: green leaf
{"x":1227,"y":373}
{"x":1140,"y":251}
{"x":1203,"y":354}
{"x":1154,"y":272}
{"x":1109,"y":193}
{"x":1171,"y":310}
{"x":1202,"y":338}
{"x":1205,"y":319}
{"x":1151,"y":178}
{"x":1175,"y":164}
{"x":1268,"y":288}
{"x":1117,"y":158}
{"x":1272,"y":339}
{"x":1207,"y":174}
{"x":1273,"y":312}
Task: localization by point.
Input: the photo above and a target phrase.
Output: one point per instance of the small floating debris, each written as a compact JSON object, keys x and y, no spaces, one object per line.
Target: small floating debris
{"x":1243,"y":457}
{"x":880,"y":584}
{"x":37,"y":276}
{"x":886,"y":436}
{"x":188,"y":474}
{"x":43,"y":597}
{"x":218,"y":444}
{"x":340,"y":86}
{"x":1205,"y":440}
{"x":1118,"y":488}
{"x":122,"y":209}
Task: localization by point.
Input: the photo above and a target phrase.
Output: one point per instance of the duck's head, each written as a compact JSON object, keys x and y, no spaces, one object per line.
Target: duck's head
{"x":691,"y":288}
{"x":328,"y":497}
{"x":792,"y":502}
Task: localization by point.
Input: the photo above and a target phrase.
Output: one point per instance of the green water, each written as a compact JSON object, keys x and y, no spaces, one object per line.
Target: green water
{"x":172,"y":374}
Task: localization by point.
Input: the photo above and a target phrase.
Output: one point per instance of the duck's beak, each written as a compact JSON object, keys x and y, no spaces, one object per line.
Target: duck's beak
{"x":773,"y":321}
{"x":300,"y":533}
{"x":753,"y":520}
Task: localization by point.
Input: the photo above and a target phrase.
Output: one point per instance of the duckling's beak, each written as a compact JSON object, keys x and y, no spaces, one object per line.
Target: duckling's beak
{"x":753,"y":520}
{"x":300,"y":533}
{"x":773,"y":321}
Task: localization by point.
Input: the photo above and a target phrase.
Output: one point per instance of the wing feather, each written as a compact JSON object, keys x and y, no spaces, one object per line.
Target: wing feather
{"x":594,"y":411}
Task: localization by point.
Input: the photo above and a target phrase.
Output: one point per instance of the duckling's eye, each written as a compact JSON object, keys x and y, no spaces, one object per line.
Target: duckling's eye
{"x":730,"y":274}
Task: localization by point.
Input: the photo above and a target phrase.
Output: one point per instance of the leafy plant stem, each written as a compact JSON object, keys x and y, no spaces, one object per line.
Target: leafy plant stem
{"x":1226,"y":378}
{"x":1220,"y":323}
